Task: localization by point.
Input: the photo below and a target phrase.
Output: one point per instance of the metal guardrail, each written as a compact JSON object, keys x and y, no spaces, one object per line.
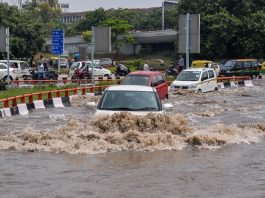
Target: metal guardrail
{"x":28,"y":98}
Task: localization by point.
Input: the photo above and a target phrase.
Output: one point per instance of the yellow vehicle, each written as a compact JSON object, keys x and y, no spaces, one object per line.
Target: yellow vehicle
{"x":206,"y":64}
{"x":201,"y":63}
{"x":263,"y":66}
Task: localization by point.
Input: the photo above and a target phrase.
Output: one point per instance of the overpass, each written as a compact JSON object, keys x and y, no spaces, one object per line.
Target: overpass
{"x":141,"y":38}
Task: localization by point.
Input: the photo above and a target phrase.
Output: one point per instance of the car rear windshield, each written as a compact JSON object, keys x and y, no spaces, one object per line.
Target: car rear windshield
{"x":136,"y":80}
{"x":129,"y":101}
{"x":189,"y":76}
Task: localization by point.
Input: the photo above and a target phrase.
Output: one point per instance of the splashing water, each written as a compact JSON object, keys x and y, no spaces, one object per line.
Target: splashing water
{"x":124,"y":131}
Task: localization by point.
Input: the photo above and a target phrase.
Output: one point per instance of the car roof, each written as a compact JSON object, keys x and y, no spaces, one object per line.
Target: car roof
{"x":198,"y":69}
{"x":131,"y":88}
{"x":249,"y":59}
{"x":11,"y":61}
{"x":147,"y":73}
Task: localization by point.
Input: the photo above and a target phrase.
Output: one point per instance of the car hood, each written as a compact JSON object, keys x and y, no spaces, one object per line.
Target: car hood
{"x":105,"y":112}
{"x":184,"y":83}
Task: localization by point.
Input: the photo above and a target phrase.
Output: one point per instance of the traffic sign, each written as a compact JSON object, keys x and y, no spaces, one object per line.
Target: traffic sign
{"x":57,"y":42}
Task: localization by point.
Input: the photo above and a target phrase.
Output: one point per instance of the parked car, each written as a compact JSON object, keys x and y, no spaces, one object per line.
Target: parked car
{"x":148,"y":78}
{"x":21,"y":68}
{"x":99,"y":70}
{"x":3,"y":72}
{"x":76,"y":65}
{"x":63,"y":62}
{"x":198,"y":80}
{"x":135,"y":99}
{"x":106,"y":62}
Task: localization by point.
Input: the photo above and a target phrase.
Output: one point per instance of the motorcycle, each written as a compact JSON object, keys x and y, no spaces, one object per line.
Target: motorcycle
{"x":172,"y":71}
{"x":121,"y":70}
{"x":42,"y":74}
{"x":82,"y":73}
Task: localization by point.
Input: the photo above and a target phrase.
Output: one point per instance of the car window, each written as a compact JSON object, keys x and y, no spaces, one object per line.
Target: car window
{"x":154,"y":81}
{"x":24,"y":65}
{"x":230,"y":64}
{"x":254,"y":63}
{"x":189,"y":76}
{"x":14,"y":65}
{"x":239,"y":65}
{"x":211,"y":74}
{"x":136,"y":80}
{"x":160,"y":79}
{"x":246,"y":64}
{"x":2,"y":66}
{"x":204,"y":75}
{"x":129,"y":100}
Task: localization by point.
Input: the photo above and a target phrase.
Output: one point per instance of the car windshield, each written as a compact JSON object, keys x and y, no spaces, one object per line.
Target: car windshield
{"x":75,"y":65}
{"x":136,"y":80}
{"x":129,"y":101}
{"x":189,"y":76}
{"x":230,"y":63}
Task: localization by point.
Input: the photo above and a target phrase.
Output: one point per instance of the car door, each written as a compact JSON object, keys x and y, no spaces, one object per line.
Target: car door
{"x":24,"y":68}
{"x":3,"y":70}
{"x":154,"y":83}
{"x":205,"y":81}
{"x":162,"y":87}
{"x":212,"y":80}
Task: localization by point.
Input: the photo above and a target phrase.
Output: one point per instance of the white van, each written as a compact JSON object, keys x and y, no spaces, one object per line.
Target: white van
{"x":21,"y":68}
{"x":198,"y":80}
{"x":4,"y":73}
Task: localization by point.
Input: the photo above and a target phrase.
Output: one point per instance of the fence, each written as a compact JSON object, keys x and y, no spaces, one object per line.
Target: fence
{"x":28,"y":98}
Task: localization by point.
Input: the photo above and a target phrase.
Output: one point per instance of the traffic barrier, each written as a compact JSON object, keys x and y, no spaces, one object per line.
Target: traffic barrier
{"x":22,"y":109}
{"x":57,"y":102}
{"x":39,"y":104}
{"x":248,"y":83}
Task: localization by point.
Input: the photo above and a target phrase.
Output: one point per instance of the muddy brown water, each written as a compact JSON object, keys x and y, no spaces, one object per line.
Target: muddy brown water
{"x":209,"y":145}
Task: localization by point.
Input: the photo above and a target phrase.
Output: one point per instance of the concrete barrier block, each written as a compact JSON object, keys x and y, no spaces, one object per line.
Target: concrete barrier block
{"x":39,"y":104}
{"x":248,"y":83}
{"x":22,"y":109}
{"x":57,"y":102}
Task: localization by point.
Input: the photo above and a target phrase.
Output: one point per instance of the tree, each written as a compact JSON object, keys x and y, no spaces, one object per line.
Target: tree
{"x":119,"y":32}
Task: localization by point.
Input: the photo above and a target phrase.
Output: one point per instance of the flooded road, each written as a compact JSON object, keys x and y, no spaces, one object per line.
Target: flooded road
{"x":211,"y":145}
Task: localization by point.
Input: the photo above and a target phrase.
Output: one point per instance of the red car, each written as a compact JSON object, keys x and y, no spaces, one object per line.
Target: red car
{"x":148,"y":78}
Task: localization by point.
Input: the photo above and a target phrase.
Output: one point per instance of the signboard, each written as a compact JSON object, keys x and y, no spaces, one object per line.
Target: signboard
{"x":102,"y":39}
{"x":194,"y":34}
{"x":3,"y":40}
{"x":57,"y":42}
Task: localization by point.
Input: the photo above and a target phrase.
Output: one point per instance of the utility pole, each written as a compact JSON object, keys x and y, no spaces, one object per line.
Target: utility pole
{"x":187,"y":27}
{"x":92,"y":55}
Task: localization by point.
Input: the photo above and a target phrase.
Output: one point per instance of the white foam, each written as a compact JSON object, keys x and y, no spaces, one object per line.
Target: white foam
{"x":57,"y":102}
{"x":22,"y":108}
{"x":39,"y":104}
{"x":221,"y":85}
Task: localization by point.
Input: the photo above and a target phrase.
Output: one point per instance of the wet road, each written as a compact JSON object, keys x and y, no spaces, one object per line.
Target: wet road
{"x":232,"y":169}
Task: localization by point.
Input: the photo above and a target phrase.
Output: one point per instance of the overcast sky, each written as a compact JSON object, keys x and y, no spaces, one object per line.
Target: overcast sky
{"x":85,"y":5}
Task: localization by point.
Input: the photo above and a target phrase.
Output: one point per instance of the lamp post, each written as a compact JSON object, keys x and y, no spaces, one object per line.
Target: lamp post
{"x":163,"y":11}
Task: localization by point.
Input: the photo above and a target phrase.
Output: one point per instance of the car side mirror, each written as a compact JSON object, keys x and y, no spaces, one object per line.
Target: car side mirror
{"x":168,"y":106}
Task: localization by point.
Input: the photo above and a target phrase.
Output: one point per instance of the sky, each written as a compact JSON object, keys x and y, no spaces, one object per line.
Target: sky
{"x":85,"y":5}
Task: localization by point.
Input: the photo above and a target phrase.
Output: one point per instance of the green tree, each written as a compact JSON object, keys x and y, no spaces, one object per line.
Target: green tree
{"x":119,"y":32}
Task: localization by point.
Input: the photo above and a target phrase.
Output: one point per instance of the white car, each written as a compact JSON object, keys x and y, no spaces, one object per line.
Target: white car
{"x":21,"y":68}
{"x":198,"y":80}
{"x":135,"y":99}
{"x":99,"y":70}
{"x":3,"y":72}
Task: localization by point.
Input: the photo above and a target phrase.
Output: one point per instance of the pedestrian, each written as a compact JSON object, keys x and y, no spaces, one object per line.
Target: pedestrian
{"x":180,"y":63}
{"x":146,"y":66}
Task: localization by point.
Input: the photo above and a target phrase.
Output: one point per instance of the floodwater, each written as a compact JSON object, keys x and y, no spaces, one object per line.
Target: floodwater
{"x":210,"y":145}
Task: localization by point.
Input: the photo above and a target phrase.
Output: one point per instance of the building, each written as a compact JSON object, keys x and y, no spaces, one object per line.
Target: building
{"x":71,"y":17}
